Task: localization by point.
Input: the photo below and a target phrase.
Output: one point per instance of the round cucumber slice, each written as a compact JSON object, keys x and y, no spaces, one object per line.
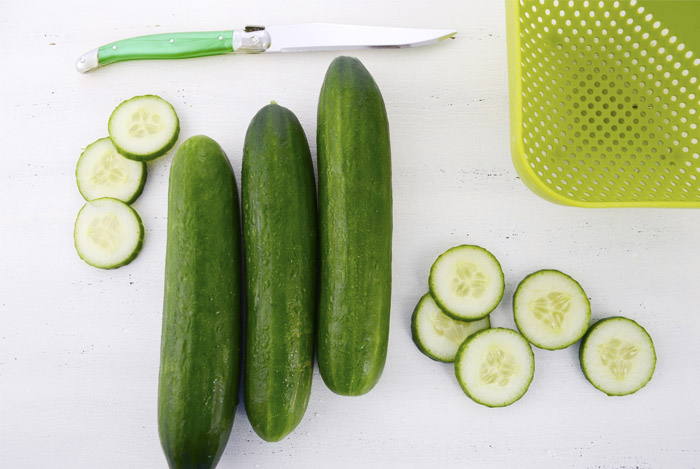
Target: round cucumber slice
{"x":436,"y":334}
{"x":102,"y":172}
{"x":467,"y":282}
{"x":144,"y":127}
{"x":495,"y":367}
{"x":551,"y":309}
{"x":108,"y":233}
{"x":617,"y":356}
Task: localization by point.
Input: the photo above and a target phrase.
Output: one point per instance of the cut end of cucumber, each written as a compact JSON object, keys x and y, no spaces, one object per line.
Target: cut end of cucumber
{"x":437,"y":335}
{"x":551,"y":309}
{"x":617,"y":356}
{"x":108,"y":233}
{"x":467,"y":282}
{"x":144,"y":127}
{"x":495,"y":367}
{"x":103,"y":172}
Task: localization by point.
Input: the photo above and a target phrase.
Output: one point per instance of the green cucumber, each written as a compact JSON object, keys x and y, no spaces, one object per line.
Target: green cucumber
{"x":495,"y":367}
{"x":466,"y":282}
{"x":143,"y":128}
{"x":201,"y":338}
{"x":355,"y":227}
{"x":551,"y":309}
{"x":280,"y":238}
{"x":617,"y":356}
{"x":108,"y":233}
{"x":102,"y":172}
{"x":436,"y":334}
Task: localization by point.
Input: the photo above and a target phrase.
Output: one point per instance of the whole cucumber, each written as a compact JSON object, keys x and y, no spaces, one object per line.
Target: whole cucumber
{"x":355,"y":214}
{"x":280,"y":241}
{"x":201,"y":340}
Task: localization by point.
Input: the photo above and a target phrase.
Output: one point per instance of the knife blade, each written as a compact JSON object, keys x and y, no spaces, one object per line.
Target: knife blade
{"x":259,"y":39}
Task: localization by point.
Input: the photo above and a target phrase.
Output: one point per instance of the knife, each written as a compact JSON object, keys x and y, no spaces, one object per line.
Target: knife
{"x":259,"y":39}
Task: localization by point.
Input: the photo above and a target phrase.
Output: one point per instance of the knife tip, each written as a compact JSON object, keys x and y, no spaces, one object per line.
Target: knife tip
{"x":449,"y":35}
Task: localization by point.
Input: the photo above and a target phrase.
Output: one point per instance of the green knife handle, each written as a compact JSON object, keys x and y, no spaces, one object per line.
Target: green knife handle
{"x":251,"y":40}
{"x":167,"y":46}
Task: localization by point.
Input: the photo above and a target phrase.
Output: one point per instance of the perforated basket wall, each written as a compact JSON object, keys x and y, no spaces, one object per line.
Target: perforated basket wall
{"x":605,"y":100}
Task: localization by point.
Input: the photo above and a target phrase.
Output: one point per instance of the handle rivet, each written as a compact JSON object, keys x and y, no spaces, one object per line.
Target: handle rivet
{"x":220,"y":38}
{"x":114,"y":47}
{"x":82,"y":60}
{"x":254,"y":40}
{"x":172,"y":40}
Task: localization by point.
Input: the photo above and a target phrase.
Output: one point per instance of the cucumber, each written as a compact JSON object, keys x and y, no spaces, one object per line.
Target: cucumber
{"x":436,"y":334}
{"x":355,"y":227}
{"x":280,"y":238}
{"x":201,"y":335}
{"x":617,"y":356}
{"x":466,"y":282}
{"x":144,"y":127}
{"x":102,"y":172}
{"x":108,"y":233}
{"x":551,"y":309}
{"x":495,"y":367}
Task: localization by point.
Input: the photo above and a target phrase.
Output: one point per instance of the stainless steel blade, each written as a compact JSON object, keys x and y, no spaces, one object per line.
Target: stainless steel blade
{"x":325,"y":36}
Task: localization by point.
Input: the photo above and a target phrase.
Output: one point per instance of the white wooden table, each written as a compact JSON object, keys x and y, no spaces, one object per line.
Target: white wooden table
{"x":79,"y":347}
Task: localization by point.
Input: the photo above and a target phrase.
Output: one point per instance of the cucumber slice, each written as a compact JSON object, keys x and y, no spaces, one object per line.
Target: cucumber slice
{"x":144,"y":127}
{"x":551,"y":309}
{"x":102,"y":172}
{"x":467,"y":282}
{"x":108,"y":233}
{"x":495,"y":367}
{"x":617,"y":356}
{"x":436,"y":334}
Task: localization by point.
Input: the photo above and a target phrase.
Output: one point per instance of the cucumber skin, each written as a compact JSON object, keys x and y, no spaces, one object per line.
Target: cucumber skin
{"x":133,"y":255}
{"x":355,"y":215}
{"x":151,"y":156}
{"x":583,"y":344}
{"x":280,"y":235}
{"x":515,"y":314}
{"x":201,"y":339}
{"x":139,"y":191}
{"x":459,"y":376}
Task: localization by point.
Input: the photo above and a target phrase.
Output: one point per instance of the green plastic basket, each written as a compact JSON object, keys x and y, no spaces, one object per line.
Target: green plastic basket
{"x":605,"y":100}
